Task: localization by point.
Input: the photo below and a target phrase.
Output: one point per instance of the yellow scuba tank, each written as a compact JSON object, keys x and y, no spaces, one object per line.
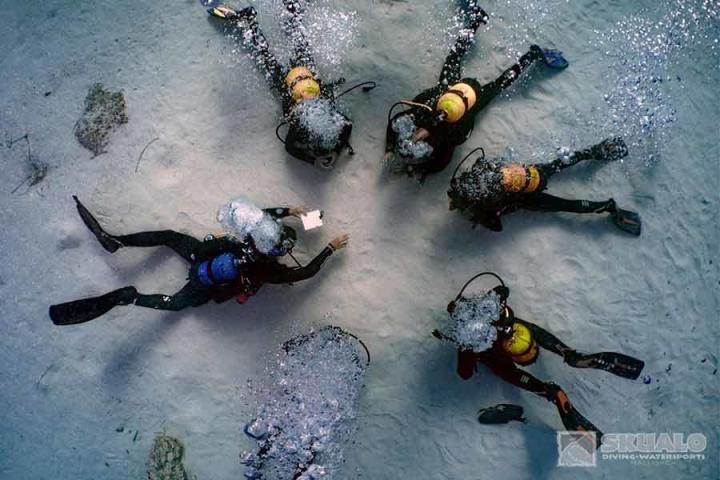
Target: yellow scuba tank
{"x":518,"y":178}
{"x":521,"y":346}
{"x":302,"y":84}
{"x":457,"y":101}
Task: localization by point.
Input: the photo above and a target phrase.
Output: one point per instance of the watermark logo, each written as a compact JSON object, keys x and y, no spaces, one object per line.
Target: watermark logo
{"x":577,"y":449}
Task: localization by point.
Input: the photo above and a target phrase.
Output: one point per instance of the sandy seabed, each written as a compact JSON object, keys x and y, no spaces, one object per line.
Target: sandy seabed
{"x":65,"y":392}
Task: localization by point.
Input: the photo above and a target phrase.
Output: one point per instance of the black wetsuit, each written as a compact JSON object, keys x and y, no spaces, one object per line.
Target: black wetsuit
{"x":276,"y":73}
{"x":488,"y":209}
{"x":445,"y":136}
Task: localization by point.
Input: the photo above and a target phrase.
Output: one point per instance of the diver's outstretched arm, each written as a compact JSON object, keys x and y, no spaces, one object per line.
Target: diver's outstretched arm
{"x":509,"y":76}
{"x":248,"y":32}
{"x":279,"y":274}
{"x":608,"y":150}
{"x":452,"y":68}
{"x":295,"y":30}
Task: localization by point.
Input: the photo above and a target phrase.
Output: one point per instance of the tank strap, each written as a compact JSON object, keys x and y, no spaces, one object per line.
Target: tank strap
{"x":462,"y":96}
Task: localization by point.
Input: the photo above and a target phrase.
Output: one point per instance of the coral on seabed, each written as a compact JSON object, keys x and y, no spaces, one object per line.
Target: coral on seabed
{"x":104,"y":110}
{"x":166,"y":459}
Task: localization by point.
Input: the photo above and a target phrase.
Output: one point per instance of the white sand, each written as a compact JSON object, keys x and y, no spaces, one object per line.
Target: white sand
{"x":65,"y":391}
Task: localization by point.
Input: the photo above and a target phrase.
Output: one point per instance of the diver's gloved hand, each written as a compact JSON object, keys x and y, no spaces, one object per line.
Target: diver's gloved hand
{"x":339,"y":243}
{"x":476,"y":13}
{"x":298,"y":211}
{"x":610,"y":149}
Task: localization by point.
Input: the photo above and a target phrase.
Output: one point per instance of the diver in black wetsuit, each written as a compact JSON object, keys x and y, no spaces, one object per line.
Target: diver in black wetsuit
{"x":421,"y":140}
{"x":317,"y":131}
{"x":220,"y":269}
{"x":491,"y":188}
{"x":517,"y":343}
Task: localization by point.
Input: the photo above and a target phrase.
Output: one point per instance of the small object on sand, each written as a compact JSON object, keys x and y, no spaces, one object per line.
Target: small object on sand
{"x":38,"y":169}
{"x":647,"y":379}
{"x":104,"y":110}
{"x":166,"y":459}
{"x":312,"y":220}
{"x":137,"y":165}
{"x":120,"y":429}
{"x":502,"y":413}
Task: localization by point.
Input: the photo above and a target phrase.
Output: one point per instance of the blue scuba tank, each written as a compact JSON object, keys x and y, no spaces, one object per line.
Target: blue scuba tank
{"x":223,"y":269}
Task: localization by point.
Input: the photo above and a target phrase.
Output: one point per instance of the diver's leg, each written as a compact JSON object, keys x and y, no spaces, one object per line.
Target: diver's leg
{"x":616,"y":363}
{"x":508,"y":371}
{"x":504,"y":368}
{"x":626,"y":220}
{"x":189,"y":296}
{"x":452,"y":68}
{"x":296,"y":31}
{"x":549,"y":203}
{"x":183,"y":245}
{"x":546,"y":339}
{"x":86,"y":309}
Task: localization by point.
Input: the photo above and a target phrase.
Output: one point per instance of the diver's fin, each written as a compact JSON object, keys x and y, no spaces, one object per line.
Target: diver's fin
{"x":554,"y":58}
{"x":499,"y":414}
{"x":627,"y":221}
{"x":108,"y":242}
{"x":86,"y":309}
{"x":616,"y":363}
{"x":571,"y":418}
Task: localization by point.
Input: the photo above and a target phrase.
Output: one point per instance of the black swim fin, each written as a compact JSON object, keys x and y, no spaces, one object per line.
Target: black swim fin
{"x":502,"y":413}
{"x":573,"y":420}
{"x":627,"y":221}
{"x":617,"y":363}
{"x":86,"y":309}
{"x":107,"y":241}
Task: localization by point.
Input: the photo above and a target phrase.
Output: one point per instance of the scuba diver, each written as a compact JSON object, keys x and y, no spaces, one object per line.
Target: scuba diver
{"x":220,"y":267}
{"x":421,"y":139}
{"x":317,"y":131}
{"x":487,"y":331}
{"x":492,"y":188}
